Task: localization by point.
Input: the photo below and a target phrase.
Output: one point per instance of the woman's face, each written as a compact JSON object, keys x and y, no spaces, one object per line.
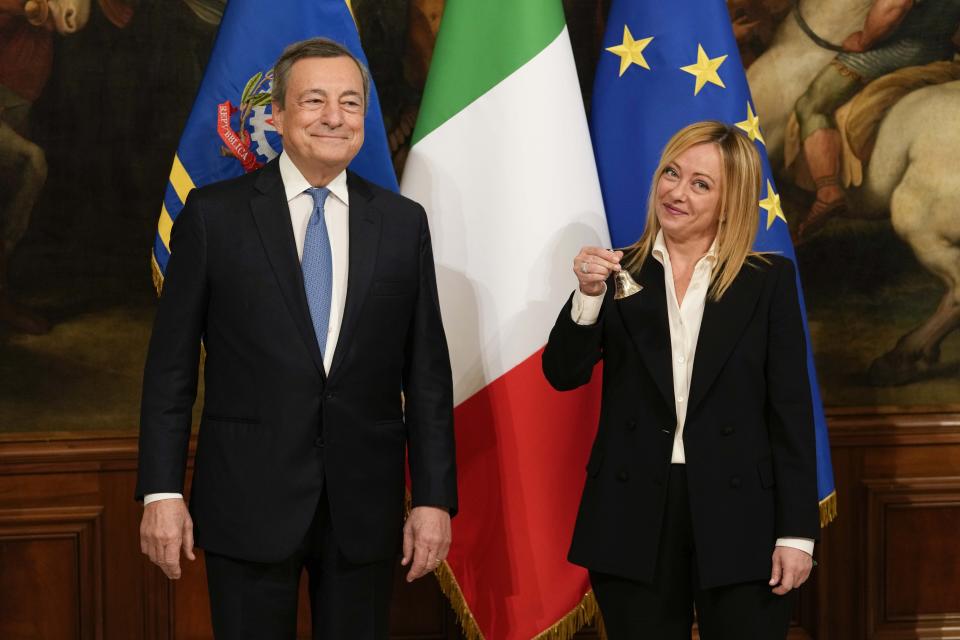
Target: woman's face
{"x":688,"y":194}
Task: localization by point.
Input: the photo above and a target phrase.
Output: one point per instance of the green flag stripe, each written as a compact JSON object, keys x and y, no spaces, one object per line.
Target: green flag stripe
{"x":480,"y":43}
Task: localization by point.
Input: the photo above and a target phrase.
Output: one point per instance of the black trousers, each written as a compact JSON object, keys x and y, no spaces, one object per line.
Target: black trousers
{"x":255,"y":601}
{"x":664,"y":610}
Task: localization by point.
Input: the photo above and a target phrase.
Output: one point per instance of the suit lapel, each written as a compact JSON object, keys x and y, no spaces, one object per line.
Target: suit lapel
{"x":272,"y":218}
{"x":722,"y":327}
{"x":645,"y":316}
{"x":364,"y":230}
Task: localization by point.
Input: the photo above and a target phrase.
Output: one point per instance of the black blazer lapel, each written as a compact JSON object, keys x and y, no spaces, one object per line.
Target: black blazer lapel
{"x":645,"y":316}
{"x":272,"y":217}
{"x":721,"y":328}
{"x":364,"y":223}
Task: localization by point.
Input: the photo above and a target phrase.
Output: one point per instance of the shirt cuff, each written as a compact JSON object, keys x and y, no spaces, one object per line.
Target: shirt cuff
{"x":154,"y":497}
{"x":586,"y":309}
{"x":804,"y":544}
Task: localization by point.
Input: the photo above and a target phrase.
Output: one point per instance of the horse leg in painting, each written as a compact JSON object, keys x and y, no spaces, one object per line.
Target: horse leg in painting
{"x":925,"y":213}
{"x":917,"y":353}
{"x":25,"y":164}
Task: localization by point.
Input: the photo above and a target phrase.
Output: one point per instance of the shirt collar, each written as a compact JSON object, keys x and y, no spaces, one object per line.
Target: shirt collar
{"x":661,"y":254}
{"x":294,"y":183}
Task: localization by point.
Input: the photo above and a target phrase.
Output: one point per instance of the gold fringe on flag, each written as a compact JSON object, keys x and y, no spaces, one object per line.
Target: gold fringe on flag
{"x":157,"y":274}
{"x":828,"y":509}
{"x":580,"y":616}
{"x":451,"y":589}
{"x":563,"y":629}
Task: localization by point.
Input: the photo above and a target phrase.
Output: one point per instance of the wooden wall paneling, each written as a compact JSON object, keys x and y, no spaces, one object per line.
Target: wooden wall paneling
{"x":67,"y":501}
{"x":873,"y":454}
{"x":838,"y":572}
{"x":913,"y":559}
{"x":157,"y":611}
{"x":51,"y":585}
{"x":124,"y":584}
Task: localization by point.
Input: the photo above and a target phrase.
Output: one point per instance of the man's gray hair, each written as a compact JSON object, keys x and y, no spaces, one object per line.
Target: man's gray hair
{"x":313,"y":48}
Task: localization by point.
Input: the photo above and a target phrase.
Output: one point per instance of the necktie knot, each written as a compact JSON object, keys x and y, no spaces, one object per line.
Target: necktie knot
{"x":319,"y":195}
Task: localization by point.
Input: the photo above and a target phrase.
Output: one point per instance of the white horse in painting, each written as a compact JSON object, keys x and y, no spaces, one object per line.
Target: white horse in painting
{"x":912,"y":172}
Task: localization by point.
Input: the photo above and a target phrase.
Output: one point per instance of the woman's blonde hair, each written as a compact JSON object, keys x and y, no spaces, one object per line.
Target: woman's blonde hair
{"x":739,"y":200}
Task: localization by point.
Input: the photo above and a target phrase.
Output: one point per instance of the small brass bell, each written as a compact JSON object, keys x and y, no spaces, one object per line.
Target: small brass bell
{"x":625,"y":285}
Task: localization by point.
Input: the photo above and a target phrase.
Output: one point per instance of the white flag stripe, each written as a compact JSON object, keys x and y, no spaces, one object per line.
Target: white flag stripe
{"x":511,"y":191}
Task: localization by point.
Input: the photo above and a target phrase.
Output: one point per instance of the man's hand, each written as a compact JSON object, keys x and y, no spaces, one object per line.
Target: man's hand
{"x":791,"y":568}
{"x":166,"y":528}
{"x":426,"y":540}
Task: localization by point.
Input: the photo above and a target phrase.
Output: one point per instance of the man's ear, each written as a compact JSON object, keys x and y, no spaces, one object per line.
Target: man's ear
{"x":277,"y":115}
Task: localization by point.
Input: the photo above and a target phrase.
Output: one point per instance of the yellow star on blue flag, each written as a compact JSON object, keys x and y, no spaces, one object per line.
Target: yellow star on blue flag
{"x":771,"y":204}
{"x":705,"y":70}
{"x":751,"y":126}
{"x":630,"y":51}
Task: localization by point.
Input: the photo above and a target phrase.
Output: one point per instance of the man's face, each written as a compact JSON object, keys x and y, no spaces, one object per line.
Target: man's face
{"x":322,"y":119}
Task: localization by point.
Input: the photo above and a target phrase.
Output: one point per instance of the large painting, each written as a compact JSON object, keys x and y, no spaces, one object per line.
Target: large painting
{"x":860,"y":108}
{"x":93,"y":97}
{"x":93,"y":94}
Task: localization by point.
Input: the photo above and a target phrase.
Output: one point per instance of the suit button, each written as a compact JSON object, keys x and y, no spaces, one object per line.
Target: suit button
{"x":318,"y":442}
{"x":331,"y":395}
{"x":727,"y":431}
{"x":623,"y":476}
{"x":631,"y":425}
{"x":735,"y":482}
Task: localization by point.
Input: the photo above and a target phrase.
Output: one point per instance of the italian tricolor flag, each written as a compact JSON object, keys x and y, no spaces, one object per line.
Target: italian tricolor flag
{"x":502,"y":162}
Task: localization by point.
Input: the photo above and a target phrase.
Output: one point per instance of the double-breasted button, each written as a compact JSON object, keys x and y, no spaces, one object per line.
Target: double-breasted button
{"x":623,"y":476}
{"x":727,"y":431}
{"x":631,"y":425}
{"x":331,"y":395}
{"x":735,"y":482}
{"x":318,"y":442}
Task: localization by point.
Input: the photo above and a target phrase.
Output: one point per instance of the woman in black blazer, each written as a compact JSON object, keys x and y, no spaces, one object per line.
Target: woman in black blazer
{"x":701,"y":484}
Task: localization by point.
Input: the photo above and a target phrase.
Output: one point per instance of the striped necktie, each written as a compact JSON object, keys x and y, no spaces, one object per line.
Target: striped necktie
{"x":317,"y":266}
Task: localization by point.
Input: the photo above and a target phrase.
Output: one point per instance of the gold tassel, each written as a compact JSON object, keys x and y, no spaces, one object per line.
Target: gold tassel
{"x":451,"y":589}
{"x":828,"y":509}
{"x":157,"y":274}
{"x":563,"y":629}
{"x":581,"y":615}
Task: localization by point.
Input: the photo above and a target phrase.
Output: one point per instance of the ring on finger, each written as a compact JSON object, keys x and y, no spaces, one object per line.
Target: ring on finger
{"x":583,"y":267}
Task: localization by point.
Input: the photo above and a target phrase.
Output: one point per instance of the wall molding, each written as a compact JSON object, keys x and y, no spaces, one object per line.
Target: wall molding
{"x":885,"y":497}
{"x":83,"y":526}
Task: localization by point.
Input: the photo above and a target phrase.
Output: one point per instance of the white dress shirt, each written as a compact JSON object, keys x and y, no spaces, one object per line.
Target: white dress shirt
{"x":336,"y":214}
{"x":684,"y":319}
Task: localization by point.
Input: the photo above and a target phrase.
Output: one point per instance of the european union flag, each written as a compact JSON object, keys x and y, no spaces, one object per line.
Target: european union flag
{"x":230,"y":130}
{"x":664,"y":66}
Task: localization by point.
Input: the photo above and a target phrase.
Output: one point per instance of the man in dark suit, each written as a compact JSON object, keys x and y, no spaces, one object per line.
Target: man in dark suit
{"x":314,"y":294}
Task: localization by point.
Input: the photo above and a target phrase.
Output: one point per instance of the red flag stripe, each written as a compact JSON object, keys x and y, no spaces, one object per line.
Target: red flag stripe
{"x":521,"y":452}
